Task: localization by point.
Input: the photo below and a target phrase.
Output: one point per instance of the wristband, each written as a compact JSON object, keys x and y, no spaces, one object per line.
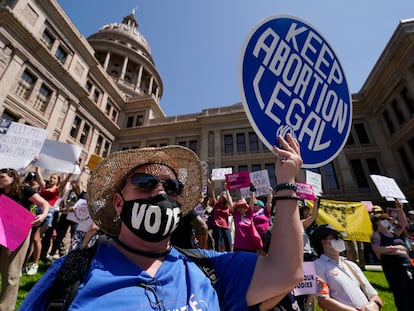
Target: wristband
{"x":293,"y":197}
{"x":287,"y":186}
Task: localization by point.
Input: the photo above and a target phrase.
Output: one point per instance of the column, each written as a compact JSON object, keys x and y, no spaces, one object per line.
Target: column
{"x":107,"y":59}
{"x":124,"y":67}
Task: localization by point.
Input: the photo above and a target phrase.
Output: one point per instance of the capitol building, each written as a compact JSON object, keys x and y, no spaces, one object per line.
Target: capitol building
{"x":103,"y":93}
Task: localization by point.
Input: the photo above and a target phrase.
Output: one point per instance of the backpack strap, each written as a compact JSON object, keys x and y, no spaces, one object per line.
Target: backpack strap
{"x":203,"y":262}
{"x":70,"y":275}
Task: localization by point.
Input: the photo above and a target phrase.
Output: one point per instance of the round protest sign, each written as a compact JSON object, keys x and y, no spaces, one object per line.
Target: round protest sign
{"x":292,"y":82}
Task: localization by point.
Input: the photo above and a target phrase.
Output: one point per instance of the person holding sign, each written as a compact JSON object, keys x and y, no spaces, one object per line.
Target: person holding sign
{"x":388,"y":244}
{"x":221,"y":212}
{"x":138,"y":196}
{"x":11,"y":262}
{"x":343,"y":285}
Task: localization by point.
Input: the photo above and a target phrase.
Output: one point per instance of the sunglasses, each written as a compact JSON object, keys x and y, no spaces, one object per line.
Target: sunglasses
{"x":149,"y":182}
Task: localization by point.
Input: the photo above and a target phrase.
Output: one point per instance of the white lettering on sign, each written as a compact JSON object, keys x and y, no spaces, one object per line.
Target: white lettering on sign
{"x":309,"y":80}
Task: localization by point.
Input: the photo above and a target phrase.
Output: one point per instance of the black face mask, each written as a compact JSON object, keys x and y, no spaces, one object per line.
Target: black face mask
{"x":152,"y":219}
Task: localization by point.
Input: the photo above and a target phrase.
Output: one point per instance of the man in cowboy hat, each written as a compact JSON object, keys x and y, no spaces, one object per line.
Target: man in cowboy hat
{"x":138,"y":198}
{"x":342,"y":284}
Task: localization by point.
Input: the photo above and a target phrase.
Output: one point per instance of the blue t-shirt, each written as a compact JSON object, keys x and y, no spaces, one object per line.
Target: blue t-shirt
{"x":115,"y":283}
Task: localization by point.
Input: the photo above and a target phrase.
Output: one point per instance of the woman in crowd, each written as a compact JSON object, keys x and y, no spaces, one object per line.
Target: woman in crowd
{"x":51,"y":192}
{"x":221,"y":226}
{"x":389,"y":246}
{"x":11,"y":262}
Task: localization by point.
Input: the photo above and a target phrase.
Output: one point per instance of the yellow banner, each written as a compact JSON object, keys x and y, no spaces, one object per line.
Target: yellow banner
{"x":352,"y":218}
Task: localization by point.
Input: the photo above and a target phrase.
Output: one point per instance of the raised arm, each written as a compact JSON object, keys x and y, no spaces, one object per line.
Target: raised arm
{"x":309,"y":220}
{"x":402,"y":219}
{"x":39,"y":178}
{"x":282,"y":269}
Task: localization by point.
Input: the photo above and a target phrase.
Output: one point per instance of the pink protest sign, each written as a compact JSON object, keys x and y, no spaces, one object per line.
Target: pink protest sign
{"x":15,"y":223}
{"x":238,"y":180}
{"x":305,"y":191}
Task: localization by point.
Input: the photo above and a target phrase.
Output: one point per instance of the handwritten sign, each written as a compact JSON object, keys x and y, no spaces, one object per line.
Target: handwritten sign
{"x":388,"y":188}
{"x":19,"y":143}
{"x":308,"y":285}
{"x":292,"y":81}
{"x":238,"y":180}
{"x":220,"y":173}
{"x":15,"y":223}
{"x":261,"y":181}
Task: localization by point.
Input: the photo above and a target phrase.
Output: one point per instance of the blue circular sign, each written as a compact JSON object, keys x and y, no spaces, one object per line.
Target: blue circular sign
{"x":292,"y":82}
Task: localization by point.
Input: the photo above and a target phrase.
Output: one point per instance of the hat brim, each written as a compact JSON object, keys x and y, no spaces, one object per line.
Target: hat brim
{"x":107,"y":178}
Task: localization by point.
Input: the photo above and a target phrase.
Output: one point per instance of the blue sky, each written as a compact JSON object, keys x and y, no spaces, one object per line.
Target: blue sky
{"x":196,"y":44}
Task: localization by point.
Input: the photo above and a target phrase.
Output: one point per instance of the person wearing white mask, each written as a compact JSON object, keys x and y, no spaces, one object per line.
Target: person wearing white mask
{"x":342,"y":286}
{"x":388,"y":243}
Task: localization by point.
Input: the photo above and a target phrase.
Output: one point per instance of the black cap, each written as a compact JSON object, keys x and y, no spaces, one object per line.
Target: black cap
{"x":30,"y":176}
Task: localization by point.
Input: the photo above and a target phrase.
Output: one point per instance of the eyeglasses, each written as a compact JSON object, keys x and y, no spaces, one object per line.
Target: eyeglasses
{"x":149,"y":182}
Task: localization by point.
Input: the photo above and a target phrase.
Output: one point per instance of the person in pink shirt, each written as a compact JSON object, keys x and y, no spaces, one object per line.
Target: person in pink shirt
{"x":221,"y":225}
{"x":261,"y":212}
{"x":243,"y":220}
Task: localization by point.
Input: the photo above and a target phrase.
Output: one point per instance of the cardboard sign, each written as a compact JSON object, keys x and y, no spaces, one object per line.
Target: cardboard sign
{"x":59,"y":156}
{"x":388,"y":188}
{"x":19,"y":143}
{"x":15,"y":223}
{"x":308,"y":285}
{"x":220,"y":173}
{"x":305,"y":191}
{"x":238,"y":180}
{"x":314,"y":179}
{"x":292,"y":81}
{"x":261,"y":181}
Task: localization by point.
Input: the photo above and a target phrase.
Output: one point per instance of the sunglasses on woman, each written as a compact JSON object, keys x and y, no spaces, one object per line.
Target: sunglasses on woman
{"x":149,"y":182}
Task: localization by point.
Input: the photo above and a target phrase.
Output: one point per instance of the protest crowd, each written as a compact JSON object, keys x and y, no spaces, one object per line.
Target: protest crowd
{"x":170,"y":214}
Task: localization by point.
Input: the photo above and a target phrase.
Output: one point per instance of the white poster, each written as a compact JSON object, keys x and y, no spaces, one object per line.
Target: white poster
{"x":315,"y":180}
{"x":261,"y":181}
{"x":19,"y":143}
{"x":59,"y":156}
{"x":308,"y":285}
{"x":388,"y":188}
{"x":220,"y":173}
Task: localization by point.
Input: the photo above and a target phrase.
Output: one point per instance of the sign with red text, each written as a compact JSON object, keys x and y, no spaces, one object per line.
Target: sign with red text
{"x":305,"y":191}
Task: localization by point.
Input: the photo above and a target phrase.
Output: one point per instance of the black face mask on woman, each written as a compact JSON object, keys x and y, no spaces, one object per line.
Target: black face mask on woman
{"x":152,"y":219}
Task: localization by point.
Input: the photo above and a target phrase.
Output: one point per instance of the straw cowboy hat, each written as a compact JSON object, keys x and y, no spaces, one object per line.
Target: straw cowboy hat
{"x":107,"y":178}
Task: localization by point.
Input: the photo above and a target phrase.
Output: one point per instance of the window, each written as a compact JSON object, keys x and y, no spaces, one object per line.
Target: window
{"x":193,"y":145}
{"x":398,"y":112}
{"x":243,"y":168}
{"x":42,"y":98}
{"x":350,"y":140}
{"x":89,"y":86}
{"x":106,"y":149}
{"x":95,"y":95}
{"x":362,"y":133}
{"x":140,"y":120}
{"x":47,"y":38}
{"x":98,"y":145}
{"x":270,"y":167}
{"x":408,"y":100}
{"x":388,"y":121}
{"x":211,"y":144}
{"x":256,"y":167}
{"x":373,"y":166}
{"x":85,"y":133}
{"x":130,"y":121}
{"x":407,"y":162}
{"x":241,"y":143}
{"x":75,"y":127}
{"x":330,"y":176}
{"x":228,"y":144}
{"x":253,"y":142}
{"x":114,"y":116}
{"x":61,"y":54}
{"x":359,"y":173}
{"x":25,"y":85}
